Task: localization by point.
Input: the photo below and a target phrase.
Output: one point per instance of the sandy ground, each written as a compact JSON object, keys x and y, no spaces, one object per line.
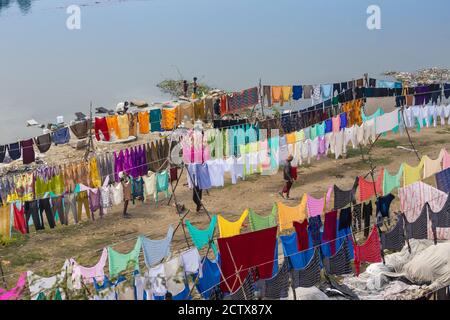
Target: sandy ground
{"x":44,"y":252}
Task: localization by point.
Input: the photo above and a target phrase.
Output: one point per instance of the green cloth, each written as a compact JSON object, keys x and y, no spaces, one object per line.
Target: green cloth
{"x":321,"y":129}
{"x":258,"y":222}
{"x":41,"y":296}
{"x":392,"y":182}
{"x":162,"y":184}
{"x":201,"y":238}
{"x":119,"y":262}
{"x":314,"y":132}
{"x":377,"y":113}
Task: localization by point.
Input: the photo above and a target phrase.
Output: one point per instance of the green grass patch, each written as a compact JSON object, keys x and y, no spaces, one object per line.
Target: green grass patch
{"x":387,"y":144}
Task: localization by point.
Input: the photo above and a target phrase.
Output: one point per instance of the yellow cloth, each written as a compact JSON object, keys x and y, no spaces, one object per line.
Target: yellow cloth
{"x":353,"y":110}
{"x":113,"y":126}
{"x":96,"y":181}
{"x":228,"y":228}
{"x":300,"y":135}
{"x":5,"y":223}
{"x":412,"y":174}
{"x":291,"y":138}
{"x":132,"y":123}
{"x":124,"y":127}
{"x":286,"y":92}
{"x":431,"y":167}
{"x":144,"y":122}
{"x":168,"y":118}
{"x":287,"y":215}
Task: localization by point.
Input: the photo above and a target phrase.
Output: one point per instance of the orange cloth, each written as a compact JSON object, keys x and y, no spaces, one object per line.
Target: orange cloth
{"x":5,"y":223}
{"x":144,"y":122}
{"x":133,"y":124}
{"x":291,"y":138}
{"x":287,"y":215}
{"x":277,"y":94}
{"x":168,"y":118}
{"x":113,"y":125}
{"x":353,"y":110}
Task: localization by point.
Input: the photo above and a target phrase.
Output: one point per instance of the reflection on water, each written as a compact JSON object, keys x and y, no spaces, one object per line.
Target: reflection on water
{"x":24,"y":5}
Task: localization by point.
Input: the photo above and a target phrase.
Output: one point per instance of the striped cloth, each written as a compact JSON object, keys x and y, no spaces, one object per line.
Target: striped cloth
{"x":339,"y":264}
{"x":244,"y":99}
{"x":394,"y":240}
{"x":308,"y":276}
{"x":156,"y":250}
{"x":246,"y":291}
{"x":443,"y":180}
{"x":418,"y":228}
{"x":278,"y":287}
{"x":343,"y":198}
{"x":370,"y":251}
{"x":439,"y":219}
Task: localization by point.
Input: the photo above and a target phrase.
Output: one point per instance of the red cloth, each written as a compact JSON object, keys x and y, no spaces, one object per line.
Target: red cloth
{"x":101,"y":125}
{"x":173,"y":174}
{"x":19,"y":219}
{"x":301,"y":228}
{"x":249,"y":250}
{"x":294,"y":173}
{"x":370,"y":251}
{"x":223,"y":105}
{"x":330,"y":230}
{"x":366,"y":189}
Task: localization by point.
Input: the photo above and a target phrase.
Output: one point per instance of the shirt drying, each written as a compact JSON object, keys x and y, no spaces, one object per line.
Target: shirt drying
{"x":156,"y":250}
{"x":119,"y":262}
{"x":228,"y":228}
{"x":287,"y":215}
{"x":86,"y":275}
{"x":258,"y":222}
{"x":201,"y":238}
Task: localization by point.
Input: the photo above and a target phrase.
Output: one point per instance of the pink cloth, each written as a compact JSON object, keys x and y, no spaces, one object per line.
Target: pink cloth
{"x":87,"y":274}
{"x":336,"y":122}
{"x":315,"y":206}
{"x":446,"y":160}
{"x":412,"y":199}
{"x":15,"y":292}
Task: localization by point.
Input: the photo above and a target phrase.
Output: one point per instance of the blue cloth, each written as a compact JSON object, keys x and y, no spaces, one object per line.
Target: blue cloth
{"x":240,"y":139}
{"x":156,"y":250}
{"x":285,"y":122}
{"x":203,"y":180}
{"x":183,"y":295}
{"x":341,"y":236}
{"x":328,"y":126}
{"x":275,"y":259}
{"x":314,"y":225}
{"x":61,"y":136}
{"x":385,"y":84}
{"x":298,"y":260}
{"x":155,"y":120}
{"x":326,"y":91}
{"x":297,"y":92}
{"x":210,"y":279}
{"x":343,"y":120}
{"x":443,"y":180}
{"x":14,"y":151}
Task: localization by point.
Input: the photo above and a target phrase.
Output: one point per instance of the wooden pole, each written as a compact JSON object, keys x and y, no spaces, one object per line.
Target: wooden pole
{"x":5,"y":285}
{"x":237,"y":271}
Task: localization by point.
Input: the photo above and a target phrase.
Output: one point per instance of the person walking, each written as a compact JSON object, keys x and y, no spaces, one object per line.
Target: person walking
{"x":287,"y":176}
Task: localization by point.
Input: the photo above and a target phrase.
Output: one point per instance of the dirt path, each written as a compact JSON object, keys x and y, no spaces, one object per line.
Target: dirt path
{"x":44,"y":252}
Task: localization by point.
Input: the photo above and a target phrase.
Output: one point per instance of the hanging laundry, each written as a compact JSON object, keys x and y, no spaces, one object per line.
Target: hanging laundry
{"x":19,"y":219}
{"x":343,"y":198}
{"x":297,"y":92}
{"x":367,"y":189}
{"x":5,"y":223}
{"x":370,"y":251}
{"x":277,"y":94}
{"x":38,"y":284}
{"x":315,"y":206}
{"x":286,"y":92}
{"x":301,"y":229}
{"x":162,"y":184}
{"x":412,"y":174}
{"x":85,"y":275}
{"x":383,"y":204}
{"x":144,"y":122}
{"x":440,"y":221}
{"x":326,"y":91}
{"x":443,"y":180}
{"x":431,"y":167}
{"x":392,"y":182}
{"x":191,"y":261}
{"x":309,"y":275}
{"x":201,"y":238}
{"x":446,"y":159}
{"x":132,"y":124}
{"x":316,"y":95}
{"x":14,"y":151}
{"x":156,"y":250}
{"x":27,"y":151}
{"x":124,"y":126}
{"x":61,"y":136}
{"x":245,"y":251}
{"x":80,"y":129}
{"x":119,"y":262}
{"x":258,"y":222}
{"x":210,"y":278}
{"x":287,"y":215}
{"x":338,"y":264}
{"x":243,"y":99}
{"x":387,"y":122}
{"x":394,"y":239}
{"x":228,"y":228}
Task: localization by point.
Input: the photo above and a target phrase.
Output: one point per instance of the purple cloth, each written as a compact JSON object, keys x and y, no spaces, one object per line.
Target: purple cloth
{"x":118,"y":164}
{"x":94,"y":202}
{"x":343,"y":117}
{"x":127,"y":163}
{"x":422,"y":97}
{"x":203,"y":180}
{"x":143,"y":158}
{"x":443,"y":180}
{"x":134,"y":163}
{"x":322,"y":150}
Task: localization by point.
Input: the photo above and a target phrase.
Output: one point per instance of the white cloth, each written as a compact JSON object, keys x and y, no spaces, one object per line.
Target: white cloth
{"x":328,"y":137}
{"x":191,"y":261}
{"x":387,"y":122}
{"x":339,"y":143}
{"x":230,"y":165}
{"x":306,"y":150}
{"x":447,"y":112}
{"x":149,"y":185}
{"x":216,"y":171}
{"x":369,"y":131}
{"x":175,"y":281}
{"x":156,"y":276}
{"x":117,"y":194}
{"x":315,"y":147}
{"x":38,"y":284}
